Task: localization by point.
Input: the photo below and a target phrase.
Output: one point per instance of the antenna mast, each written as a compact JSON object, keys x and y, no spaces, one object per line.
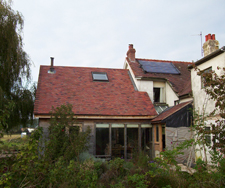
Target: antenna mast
{"x":201,"y":44}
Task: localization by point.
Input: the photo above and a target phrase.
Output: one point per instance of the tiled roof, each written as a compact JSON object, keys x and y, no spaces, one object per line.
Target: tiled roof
{"x":177,"y":81}
{"x":75,"y":85}
{"x":170,"y":111}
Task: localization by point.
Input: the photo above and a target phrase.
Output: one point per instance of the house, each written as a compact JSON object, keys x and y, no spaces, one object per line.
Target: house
{"x":203,"y":105}
{"x":104,"y":99}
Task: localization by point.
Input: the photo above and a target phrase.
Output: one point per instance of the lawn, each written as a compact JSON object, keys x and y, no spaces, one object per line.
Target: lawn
{"x":12,"y":143}
{"x":10,"y":137}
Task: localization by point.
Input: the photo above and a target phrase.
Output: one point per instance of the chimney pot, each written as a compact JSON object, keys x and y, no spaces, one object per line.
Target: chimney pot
{"x":209,"y":37}
{"x":52,"y":62}
{"x":131,"y":46}
{"x":52,"y":70}
{"x":210,"y":45}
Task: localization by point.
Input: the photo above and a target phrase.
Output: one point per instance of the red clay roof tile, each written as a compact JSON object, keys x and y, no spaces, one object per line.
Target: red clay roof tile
{"x":75,"y":85}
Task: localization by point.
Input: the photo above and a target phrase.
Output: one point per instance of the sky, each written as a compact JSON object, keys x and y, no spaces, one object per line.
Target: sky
{"x":96,"y":33}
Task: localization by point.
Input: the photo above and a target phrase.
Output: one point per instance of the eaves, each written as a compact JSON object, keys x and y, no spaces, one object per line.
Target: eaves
{"x":208,"y":57}
{"x":150,"y":78}
{"x":48,"y":116}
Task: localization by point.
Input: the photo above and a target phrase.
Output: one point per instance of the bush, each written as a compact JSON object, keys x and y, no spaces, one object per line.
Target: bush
{"x":65,"y":163}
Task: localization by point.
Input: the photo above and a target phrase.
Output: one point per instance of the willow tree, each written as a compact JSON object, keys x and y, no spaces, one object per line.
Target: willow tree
{"x":14,"y":69}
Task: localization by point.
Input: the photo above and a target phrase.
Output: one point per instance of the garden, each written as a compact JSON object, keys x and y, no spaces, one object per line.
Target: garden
{"x":63,"y":161}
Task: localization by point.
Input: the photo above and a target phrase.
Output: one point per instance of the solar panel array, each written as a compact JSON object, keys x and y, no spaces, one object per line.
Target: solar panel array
{"x":158,"y":67}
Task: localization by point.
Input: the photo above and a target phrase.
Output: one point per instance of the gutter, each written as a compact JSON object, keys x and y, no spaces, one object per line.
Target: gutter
{"x":47,"y":116}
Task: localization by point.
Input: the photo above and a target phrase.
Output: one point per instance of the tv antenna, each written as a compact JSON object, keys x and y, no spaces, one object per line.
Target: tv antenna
{"x":201,"y":42}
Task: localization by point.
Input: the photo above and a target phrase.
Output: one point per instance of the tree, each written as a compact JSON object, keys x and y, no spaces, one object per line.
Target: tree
{"x":65,"y":138}
{"x":14,"y":69}
{"x":215,"y":88}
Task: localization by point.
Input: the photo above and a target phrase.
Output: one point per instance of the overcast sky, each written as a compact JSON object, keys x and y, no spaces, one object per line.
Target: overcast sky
{"x":96,"y":33}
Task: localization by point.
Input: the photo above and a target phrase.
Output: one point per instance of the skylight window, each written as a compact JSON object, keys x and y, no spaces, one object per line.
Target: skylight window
{"x":100,"y":76}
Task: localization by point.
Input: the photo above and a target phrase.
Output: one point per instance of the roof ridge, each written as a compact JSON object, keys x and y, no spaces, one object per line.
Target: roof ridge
{"x":166,"y":61}
{"x":82,"y":67}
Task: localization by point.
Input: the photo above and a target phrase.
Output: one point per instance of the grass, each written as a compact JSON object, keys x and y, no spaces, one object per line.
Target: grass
{"x":12,"y":143}
{"x":10,"y":137}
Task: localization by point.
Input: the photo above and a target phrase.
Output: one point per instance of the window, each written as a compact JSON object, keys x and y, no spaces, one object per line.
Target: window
{"x":207,"y":135}
{"x":203,"y":76}
{"x":123,"y":141}
{"x":176,"y":102}
{"x":74,"y":129}
{"x":102,"y":139}
{"x":160,"y":108}
{"x":158,"y":93}
{"x":157,"y":133}
{"x":100,"y":76}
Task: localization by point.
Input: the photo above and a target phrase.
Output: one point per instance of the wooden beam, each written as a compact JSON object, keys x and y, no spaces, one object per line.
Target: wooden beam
{"x":153,"y":141}
{"x":110,"y":140}
{"x":139,"y":138}
{"x":94,"y":147}
{"x":125,"y":141}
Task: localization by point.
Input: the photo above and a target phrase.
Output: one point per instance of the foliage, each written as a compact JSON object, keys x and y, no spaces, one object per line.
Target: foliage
{"x":141,"y":159}
{"x":14,"y":144}
{"x":14,"y":70}
{"x":29,"y":168}
{"x":214,"y":87}
{"x":65,"y":138}
{"x":37,"y":167}
{"x":4,"y":116}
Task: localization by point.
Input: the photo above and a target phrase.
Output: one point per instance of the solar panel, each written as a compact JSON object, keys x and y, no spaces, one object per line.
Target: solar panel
{"x":158,"y":67}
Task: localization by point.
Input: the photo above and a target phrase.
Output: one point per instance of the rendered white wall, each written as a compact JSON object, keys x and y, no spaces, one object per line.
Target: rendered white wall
{"x":170,"y":95}
{"x":142,"y":85}
{"x":186,"y":100}
{"x":146,"y":85}
{"x":200,"y":97}
{"x":201,"y":101}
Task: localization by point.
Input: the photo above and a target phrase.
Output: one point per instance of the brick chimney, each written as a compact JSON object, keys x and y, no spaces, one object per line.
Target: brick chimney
{"x":131,"y":53}
{"x":210,"y":45}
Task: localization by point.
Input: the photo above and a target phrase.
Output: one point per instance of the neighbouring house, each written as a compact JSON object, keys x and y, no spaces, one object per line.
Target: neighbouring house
{"x":213,"y":57}
{"x":168,"y":84}
{"x":106,"y":100}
